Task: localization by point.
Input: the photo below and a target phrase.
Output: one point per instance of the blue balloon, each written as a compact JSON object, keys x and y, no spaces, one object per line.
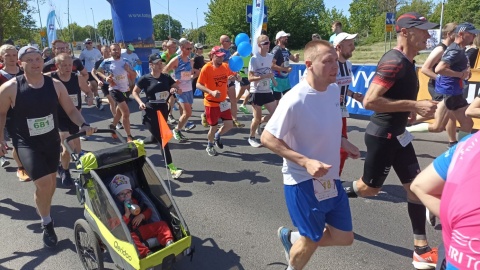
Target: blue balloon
{"x":235,"y":63}
{"x":241,"y":38}
{"x":244,"y":49}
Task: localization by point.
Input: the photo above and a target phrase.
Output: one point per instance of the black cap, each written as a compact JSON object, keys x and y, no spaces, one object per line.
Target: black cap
{"x":467,"y":27}
{"x":26,"y":50}
{"x":154,"y":58}
{"x":414,"y":19}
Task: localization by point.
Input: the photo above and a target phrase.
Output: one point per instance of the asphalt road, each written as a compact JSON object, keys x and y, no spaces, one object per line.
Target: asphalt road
{"x":233,"y":204}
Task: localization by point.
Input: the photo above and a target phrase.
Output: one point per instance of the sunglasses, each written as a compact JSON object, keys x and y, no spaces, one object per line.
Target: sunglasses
{"x":265,"y":43}
{"x":88,"y":43}
{"x":188,"y":49}
{"x":226,"y":41}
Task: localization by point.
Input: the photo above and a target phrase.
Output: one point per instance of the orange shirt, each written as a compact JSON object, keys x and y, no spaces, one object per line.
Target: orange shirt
{"x":215,"y":79}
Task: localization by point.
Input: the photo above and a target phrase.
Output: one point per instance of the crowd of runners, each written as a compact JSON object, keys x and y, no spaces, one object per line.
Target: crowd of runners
{"x":41,"y":98}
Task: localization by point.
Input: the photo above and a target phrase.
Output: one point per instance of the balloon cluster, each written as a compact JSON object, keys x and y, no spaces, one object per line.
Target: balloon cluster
{"x":244,"y":49}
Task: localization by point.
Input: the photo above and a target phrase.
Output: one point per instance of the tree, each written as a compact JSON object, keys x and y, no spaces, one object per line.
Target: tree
{"x":105,"y":29}
{"x":160,"y":27}
{"x":328,"y":17}
{"x":16,"y":20}
{"x":364,"y":13}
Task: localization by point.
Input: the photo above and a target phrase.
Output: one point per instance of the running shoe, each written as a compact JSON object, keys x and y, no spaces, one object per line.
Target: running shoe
{"x":211,"y":151}
{"x":218,"y":143}
{"x":244,"y":109}
{"x":427,"y":260}
{"x":283,"y":234}
{"x":4,"y":162}
{"x":263,"y":107}
{"x":254,"y":143}
{"x":49,"y":236}
{"x":112,"y":127}
{"x":98,"y":103}
{"x":176,"y":173}
{"x":67,"y":179}
{"x":22,"y":175}
{"x":204,"y":120}
{"x":84,"y":138}
{"x":119,"y":126}
{"x":431,"y":218}
{"x":171,"y":119}
{"x":130,"y":138}
{"x":177,"y":134}
{"x":238,"y":124}
{"x":189,"y":126}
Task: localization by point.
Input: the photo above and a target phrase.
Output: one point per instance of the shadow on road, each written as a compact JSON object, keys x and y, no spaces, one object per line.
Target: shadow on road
{"x":395,"y":249}
{"x":391,"y":193}
{"x":210,"y":177}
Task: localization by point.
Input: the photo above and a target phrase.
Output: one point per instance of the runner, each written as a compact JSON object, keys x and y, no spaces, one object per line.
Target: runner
{"x":317,"y":205}
{"x":134,"y":60}
{"x":184,"y":72}
{"x":167,"y":56}
{"x":89,"y":56}
{"x":281,"y":67}
{"x":118,"y":70}
{"x":392,"y":95}
{"x":35,"y":98}
{"x":260,"y":74}
{"x":213,"y":82}
{"x":102,"y":83}
{"x":158,"y":87}
{"x":244,"y":84}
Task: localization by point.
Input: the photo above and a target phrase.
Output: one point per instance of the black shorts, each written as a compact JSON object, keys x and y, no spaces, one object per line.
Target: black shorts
{"x":384,"y":151}
{"x":90,"y":77}
{"x":278,"y":95}
{"x":66,"y":125}
{"x":105,"y":90}
{"x":435,"y":96}
{"x":39,"y":159}
{"x":244,"y":82}
{"x":260,"y":99}
{"x":455,"y":102}
{"x":231,"y":83}
{"x":118,"y":96}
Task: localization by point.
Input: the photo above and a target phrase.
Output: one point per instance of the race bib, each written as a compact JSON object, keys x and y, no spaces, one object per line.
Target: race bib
{"x":119,"y":77}
{"x":75,"y":100}
{"x":345,"y":111}
{"x":185,"y":75}
{"x":161,"y":95}
{"x":405,"y":138}
{"x":39,"y":126}
{"x":324,"y":189}
{"x":224,"y":105}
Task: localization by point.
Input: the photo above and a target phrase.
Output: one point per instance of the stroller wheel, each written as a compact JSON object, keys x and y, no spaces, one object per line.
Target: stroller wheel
{"x":87,"y":246}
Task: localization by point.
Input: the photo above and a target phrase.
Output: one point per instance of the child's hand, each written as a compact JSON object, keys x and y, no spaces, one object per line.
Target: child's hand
{"x":137,"y":220}
{"x":127,"y":211}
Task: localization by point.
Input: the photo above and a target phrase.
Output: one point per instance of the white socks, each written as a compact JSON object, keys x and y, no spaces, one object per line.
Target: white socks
{"x":294,"y":236}
{"x":422,"y":127}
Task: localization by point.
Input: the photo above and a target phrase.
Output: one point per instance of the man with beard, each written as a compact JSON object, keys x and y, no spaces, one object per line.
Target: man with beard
{"x":281,"y":65}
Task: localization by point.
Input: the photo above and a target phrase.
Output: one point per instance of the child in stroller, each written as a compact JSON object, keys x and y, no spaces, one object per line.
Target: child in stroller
{"x":140,"y":230}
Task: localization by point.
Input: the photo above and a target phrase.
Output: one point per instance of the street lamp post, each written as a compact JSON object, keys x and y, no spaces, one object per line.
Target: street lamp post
{"x":196,"y":13}
{"x":94,"y":28}
{"x":169,"y":25}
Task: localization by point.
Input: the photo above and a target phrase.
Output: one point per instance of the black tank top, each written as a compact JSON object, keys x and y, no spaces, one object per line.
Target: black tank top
{"x":432,"y":81}
{"x":35,"y":117}
{"x":74,"y":92}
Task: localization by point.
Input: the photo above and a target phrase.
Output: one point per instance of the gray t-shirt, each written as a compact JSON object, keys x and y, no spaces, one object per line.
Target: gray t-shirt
{"x":260,"y":65}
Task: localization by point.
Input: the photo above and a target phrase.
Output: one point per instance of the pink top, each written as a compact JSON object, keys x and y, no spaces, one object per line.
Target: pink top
{"x":460,"y":206}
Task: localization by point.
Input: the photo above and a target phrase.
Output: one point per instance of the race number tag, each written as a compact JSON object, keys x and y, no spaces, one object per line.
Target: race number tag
{"x":75,"y":100}
{"x":324,"y":189}
{"x":224,"y":105}
{"x":161,"y":95}
{"x":39,"y":126}
{"x":345,"y":112}
{"x":405,"y":138}
{"x":185,"y":75}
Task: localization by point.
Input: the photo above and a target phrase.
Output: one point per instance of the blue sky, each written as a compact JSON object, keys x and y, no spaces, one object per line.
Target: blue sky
{"x":183,"y":10}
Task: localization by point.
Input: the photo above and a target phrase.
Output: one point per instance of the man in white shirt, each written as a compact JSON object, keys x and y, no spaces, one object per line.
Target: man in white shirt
{"x":89,"y":56}
{"x":134,"y":60}
{"x":309,"y":145}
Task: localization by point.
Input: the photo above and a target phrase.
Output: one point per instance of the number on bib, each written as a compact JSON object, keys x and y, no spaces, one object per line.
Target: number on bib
{"x":39,"y":126}
{"x":161,"y":95}
{"x":224,"y":105}
{"x":75,"y":100}
{"x":405,"y":138}
{"x":324,"y":189}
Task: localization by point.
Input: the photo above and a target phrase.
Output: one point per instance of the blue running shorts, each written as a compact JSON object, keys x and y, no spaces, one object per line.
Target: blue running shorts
{"x":185,"y":97}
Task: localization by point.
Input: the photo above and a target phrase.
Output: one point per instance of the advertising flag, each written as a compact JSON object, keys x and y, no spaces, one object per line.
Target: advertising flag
{"x":51,"y":29}
{"x":257,"y":22}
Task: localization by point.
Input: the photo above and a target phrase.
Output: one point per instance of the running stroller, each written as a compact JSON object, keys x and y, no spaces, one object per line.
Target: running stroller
{"x":103,"y":227}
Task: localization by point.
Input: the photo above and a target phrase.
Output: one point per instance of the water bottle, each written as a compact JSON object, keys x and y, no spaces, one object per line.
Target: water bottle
{"x":134,"y":209}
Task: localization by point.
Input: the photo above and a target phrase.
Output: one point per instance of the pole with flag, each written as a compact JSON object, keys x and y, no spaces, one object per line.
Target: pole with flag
{"x":51,"y":29}
{"x":258,"y":7}
{"x":165,"y":132}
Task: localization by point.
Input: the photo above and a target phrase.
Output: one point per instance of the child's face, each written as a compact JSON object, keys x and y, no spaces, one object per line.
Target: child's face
{"x":125,"y":194}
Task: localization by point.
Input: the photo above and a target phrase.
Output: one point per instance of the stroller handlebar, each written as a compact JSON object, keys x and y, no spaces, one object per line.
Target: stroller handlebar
{"x":83,"y":133}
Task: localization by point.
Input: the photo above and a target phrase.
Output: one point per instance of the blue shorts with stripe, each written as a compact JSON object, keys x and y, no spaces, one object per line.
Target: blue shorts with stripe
{"x":310,"y":215}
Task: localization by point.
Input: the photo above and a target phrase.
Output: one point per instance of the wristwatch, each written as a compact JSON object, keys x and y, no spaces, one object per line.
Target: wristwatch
{"x":84,"y":124}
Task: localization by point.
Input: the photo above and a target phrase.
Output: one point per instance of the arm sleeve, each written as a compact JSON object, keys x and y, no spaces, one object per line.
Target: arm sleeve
{"x":450,"y":57}
{"x":388,"y":72}
{"x":141,"y":83}
{"x":282,"y":120}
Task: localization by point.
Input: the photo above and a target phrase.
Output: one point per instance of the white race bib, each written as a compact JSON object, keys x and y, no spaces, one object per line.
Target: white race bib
{"x":224,"y":105}
{"x":75,"y":100}
{"x":185,"y":75}
{"x":161,"y":95}
{"x":345,"y":111}
{"x":405,"y":138}
{"x":324,"y":189}
{"x":39,"y":126}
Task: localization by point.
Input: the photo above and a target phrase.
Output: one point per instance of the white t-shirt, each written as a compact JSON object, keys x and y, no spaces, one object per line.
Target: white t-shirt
{"x":309,"y":122}
{"x":260,"y":66}
{"x":90,"y":57}
{"x":117,"y":69}
{"x":132,"y":58}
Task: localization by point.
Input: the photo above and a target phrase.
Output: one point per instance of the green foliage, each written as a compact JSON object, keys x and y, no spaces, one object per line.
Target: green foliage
{"x":226,"y":17}
{"x":161,"y":30}
{"x":16,"y":20}
{"x":364,"y":12}
{"x":196,"y":35}
{"x":105,"y":29}
{"x":328,"y":17}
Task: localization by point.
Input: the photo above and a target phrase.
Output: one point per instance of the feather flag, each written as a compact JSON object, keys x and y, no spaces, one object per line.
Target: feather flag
{"x":165,"y":132}
{"x":51,"y":29}
{"x":258,"y":8}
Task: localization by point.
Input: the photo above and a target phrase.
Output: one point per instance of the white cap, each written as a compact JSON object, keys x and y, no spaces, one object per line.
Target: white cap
{"x":343,"y":36}
{"x":281,"y":34}
{"x":182,"y":40}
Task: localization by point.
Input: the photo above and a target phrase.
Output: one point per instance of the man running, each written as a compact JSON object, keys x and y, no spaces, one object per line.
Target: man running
{"x":317,"y":204}
{"x":281,"y":66}
{"x":118,"y":70}
{"x":102,"y":83}
{"x":213,"y":81}
{"x":89,"y":56}
{"x":392,"y":95}
{"x":35,"y":99}
{"x":167,"y":56}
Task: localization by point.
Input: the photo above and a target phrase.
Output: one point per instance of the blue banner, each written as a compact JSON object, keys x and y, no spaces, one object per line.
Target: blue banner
{"x":257,"y":22}
{"x":138,"y":69}
{"x":51,"y":29}
{"x":133,"y":24}
{"x":361,"y":78}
